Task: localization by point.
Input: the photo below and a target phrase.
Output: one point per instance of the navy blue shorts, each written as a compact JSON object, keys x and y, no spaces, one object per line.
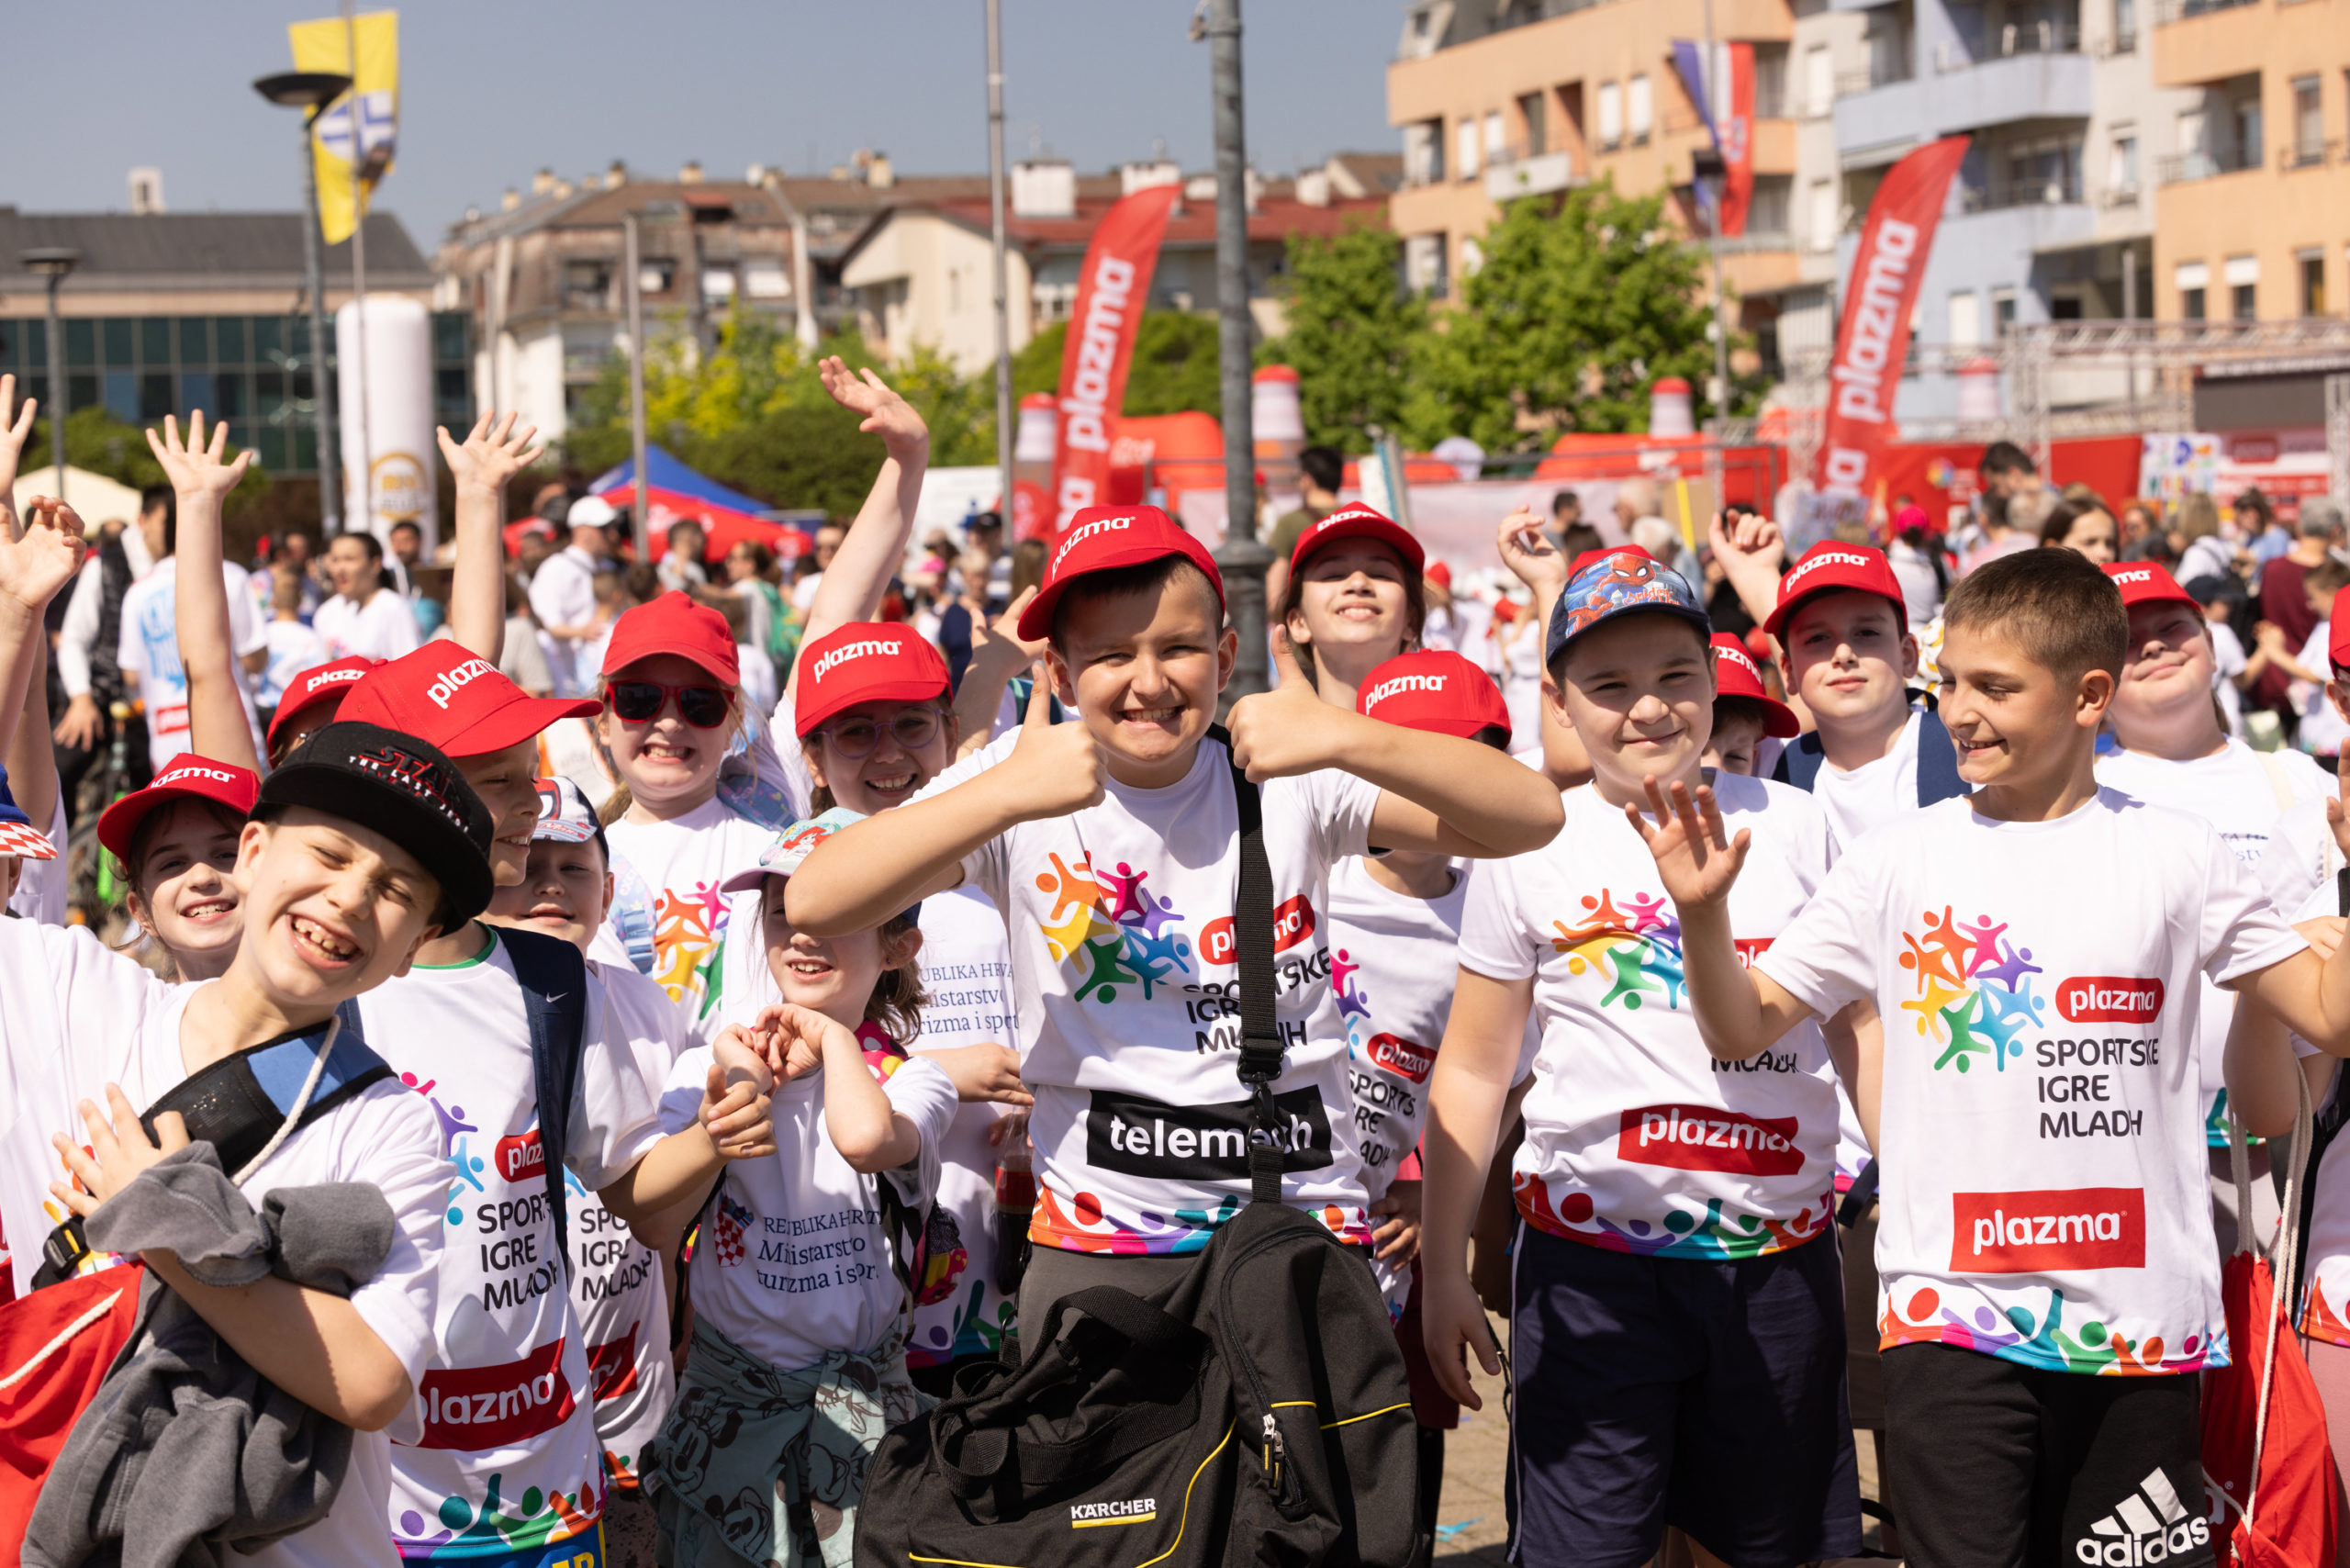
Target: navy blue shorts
{"x":1650,"y":1392}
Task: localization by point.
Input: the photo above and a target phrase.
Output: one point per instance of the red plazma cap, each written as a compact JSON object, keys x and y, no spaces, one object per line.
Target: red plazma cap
{"x":453,"y":699}
{"x":190,"y":778}
{"x":1439,"y":574}
{"x":327,"y":683}
{"x":2147,"y":582}
{"x":674,"y":623}
{"x":865,"y":661}
{"x":1356,"y":522}
{"x":1829,"y":565}
{"x":1736,"y":675}
{"x":2337,"y":630}
{"x":1101,"y":539}
{"x":1430,"y":690}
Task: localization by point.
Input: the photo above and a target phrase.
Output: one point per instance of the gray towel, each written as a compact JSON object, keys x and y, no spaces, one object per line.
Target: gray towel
{"x":187,"y":1452}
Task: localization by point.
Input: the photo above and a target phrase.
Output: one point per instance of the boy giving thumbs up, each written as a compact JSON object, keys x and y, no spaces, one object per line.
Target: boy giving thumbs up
{"x":1110,"y":845}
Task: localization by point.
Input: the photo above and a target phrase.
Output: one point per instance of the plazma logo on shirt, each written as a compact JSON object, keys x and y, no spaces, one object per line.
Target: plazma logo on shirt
{"x":1975,"y":993}
{"x":1116,"y":935}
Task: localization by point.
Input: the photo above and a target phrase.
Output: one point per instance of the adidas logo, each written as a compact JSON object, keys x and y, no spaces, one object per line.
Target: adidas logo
{"x":2147,"y":1526}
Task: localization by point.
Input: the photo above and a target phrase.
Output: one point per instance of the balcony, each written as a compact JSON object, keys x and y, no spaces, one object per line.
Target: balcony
{"x":2030,"y":84}
{"x":2186,"y":168}
{"x":2057,"y":190}
{"x":2043,"y":35}
{"x":1535,"y":174}
{"x":2169,"y":11}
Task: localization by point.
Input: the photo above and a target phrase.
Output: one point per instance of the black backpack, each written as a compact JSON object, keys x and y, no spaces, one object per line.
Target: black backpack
{"x":1256,"y":1412}
{"x":1938,"y":778}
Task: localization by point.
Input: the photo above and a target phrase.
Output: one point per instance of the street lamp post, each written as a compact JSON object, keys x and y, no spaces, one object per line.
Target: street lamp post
{"x":1242,"y":559}
{"x":53,"y":262}
{"x":312,"y":91}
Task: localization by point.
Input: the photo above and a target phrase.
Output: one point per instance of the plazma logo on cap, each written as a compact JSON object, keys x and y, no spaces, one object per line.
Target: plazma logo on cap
{"x":1080,"y":534}
{"x":190,"y":770}
{"x":333,"y":677}
{"x":455,"y":680}
{"x":1399,"y":684}
{"x":1826,"y":558}
{"x":835,"y":657}
{"x":2135,"y":575}
{"x":1738,"y":657}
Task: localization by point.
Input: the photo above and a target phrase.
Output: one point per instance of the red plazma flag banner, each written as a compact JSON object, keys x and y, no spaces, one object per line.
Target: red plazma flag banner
{"x":1736,"y":128}
{"x":1111,"y":292}
{"x":1873,"y":337}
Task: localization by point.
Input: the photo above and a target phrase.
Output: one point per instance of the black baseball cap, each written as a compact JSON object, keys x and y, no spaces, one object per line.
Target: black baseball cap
{"x":405,"y":789}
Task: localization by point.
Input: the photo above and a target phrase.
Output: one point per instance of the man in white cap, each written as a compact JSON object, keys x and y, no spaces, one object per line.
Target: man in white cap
{"x":562,"y":592}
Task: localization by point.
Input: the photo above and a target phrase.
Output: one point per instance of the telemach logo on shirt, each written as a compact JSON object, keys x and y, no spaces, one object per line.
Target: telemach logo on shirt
{"x":1705,"y":1137}
{"x":2056,"y":1231}
{"x":496,"y":1407}
{"x":1204,"y":1143}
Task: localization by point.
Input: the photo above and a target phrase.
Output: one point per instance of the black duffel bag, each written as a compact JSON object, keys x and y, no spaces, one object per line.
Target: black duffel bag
{"x":1254,"y":1413}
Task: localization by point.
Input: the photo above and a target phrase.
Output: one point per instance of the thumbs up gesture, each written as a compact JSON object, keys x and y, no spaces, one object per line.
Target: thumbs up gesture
{"x":1059,"y":769}
{"x":1289,"y":730}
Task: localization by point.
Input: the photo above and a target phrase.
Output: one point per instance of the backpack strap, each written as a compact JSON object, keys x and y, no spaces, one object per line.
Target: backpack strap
{"x":1261,"y":1047}
{"x":1800,"y":761}
{"x":554,"y":997}
{"x":2272,"y":765}
{"x":2326,"y":1126}
{"x":1938,"y":777}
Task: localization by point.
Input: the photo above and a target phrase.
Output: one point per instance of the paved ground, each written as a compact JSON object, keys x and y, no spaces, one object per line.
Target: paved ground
{"x":1472,"y":1525}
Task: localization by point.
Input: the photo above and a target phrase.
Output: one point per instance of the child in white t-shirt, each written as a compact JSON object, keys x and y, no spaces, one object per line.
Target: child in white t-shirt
{"x":1673,"y":1297}
{"x":1110,"y":845}
{"x":802,"y":1275}
{"x":620,"y":1288}
{"x":2035,"y":953}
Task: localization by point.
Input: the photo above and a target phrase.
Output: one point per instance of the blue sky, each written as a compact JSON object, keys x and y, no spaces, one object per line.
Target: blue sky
{"x":494,"y":89}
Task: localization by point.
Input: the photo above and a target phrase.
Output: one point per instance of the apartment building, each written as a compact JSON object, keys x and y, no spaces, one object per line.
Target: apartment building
{"x":2255,"y":216}
{"x":1501,"y":100}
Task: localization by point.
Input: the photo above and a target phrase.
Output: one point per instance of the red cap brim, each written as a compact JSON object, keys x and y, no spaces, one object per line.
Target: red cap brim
{"x":1036,"y":621}
{"x":1370,"y":525}
{"x":513,"y":722}
{"x":907,"y":688}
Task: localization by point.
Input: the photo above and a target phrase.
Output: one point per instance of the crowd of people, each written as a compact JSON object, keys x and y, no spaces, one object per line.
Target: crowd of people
{"x":1799,"y":998}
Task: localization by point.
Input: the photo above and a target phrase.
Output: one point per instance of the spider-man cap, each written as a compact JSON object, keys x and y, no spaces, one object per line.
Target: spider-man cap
{"x":1619,"y":582}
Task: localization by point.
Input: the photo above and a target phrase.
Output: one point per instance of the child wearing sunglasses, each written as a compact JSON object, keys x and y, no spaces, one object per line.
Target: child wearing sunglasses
{"x":673,"y":705}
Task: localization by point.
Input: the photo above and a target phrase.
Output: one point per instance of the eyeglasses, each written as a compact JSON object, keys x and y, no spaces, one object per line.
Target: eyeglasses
{"x":913,"y":728}
{"x":641,"y":701}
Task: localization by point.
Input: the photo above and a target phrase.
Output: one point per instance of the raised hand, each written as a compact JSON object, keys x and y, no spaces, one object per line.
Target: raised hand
{"x":887,"y":415}
{"x":1530,"y":555}
{"x":1695,"y":861}
{"x":33,"y":567}
{"x":13,"y":432}
{"x":998,"y":641}
{"x":491,"y":454}
{"x":196,"y":467}
{"x":1289,"y":730}
{"x":1060,"y":767}
{"x":1747,"y":537}
{"x":118,"y":1150}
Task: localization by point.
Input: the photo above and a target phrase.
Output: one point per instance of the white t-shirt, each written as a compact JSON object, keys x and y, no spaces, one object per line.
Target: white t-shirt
{"x":2326,"y":1297}
{"x":1120,"y":921}
{"x":383,"y":628}
{"x":74,"y":1016}
{"x":1394,"y":965}
{"x":669,"y":920}
{"x":1637,"y":1139}
{"x":149,"y":647}
{"x":2233,"y":790}
{"x":2045,"y":1196}
{"x":795,"y":1260}
{"x":1858,"y":798}
{"x":617,"y":1288}
{"x":41,"y":885}
{"x":293,"y":648}
{"x":2228,"y":662}
{"x":458,"y":1036}
{"x":2302,"y":857}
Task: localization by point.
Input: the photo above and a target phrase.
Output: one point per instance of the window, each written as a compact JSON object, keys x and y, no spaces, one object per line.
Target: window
{"x":1529,"y":112}
{"x":2191,"y":279}
{"x":1611,"y":116}
{"x":1464,"y":149}
{"x":1966,"y":319}
{"x":763,"y":279}
{"x":2003,"y":312}
{"x":2242,"y":276}
{"x":1819,"y":223}
{"x":2309,"y":121}
{"x":718,"y":283}
{"x":1423,"y":264}
{"x":1641,"y":108}
{"x":2121,"y":164}
{"x":586,"y":286}
{"x":2311,"y":264}
{"x":2065,"y":306}
{"x":1423,"y":152}
{"x":1497,"y":143}
{"x":1473,"y":257}
{"x":2249,"y":144}
{"x":1770,"y":81}
{"x":1819,"y":81}
{"x":2125,"y":26}
{"x":1770,"y":209}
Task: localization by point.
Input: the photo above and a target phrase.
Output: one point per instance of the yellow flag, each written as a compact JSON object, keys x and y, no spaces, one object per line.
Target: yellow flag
{"x":350,"y":165}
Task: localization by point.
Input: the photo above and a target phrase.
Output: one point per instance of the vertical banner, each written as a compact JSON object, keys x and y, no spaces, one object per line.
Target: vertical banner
{"x":1874,"y":336}
{"x":1111,"y":292}
{"x":394,"y":449}
{"x":361,"y":126}
{"x":1729,"y":116}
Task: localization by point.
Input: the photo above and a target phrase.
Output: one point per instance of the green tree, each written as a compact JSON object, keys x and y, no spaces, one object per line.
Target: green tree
{"x":1577,"y":309}
{"x":1174,"y":366}
{"x":98,"y":443}
{"x":1351,"y":331}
